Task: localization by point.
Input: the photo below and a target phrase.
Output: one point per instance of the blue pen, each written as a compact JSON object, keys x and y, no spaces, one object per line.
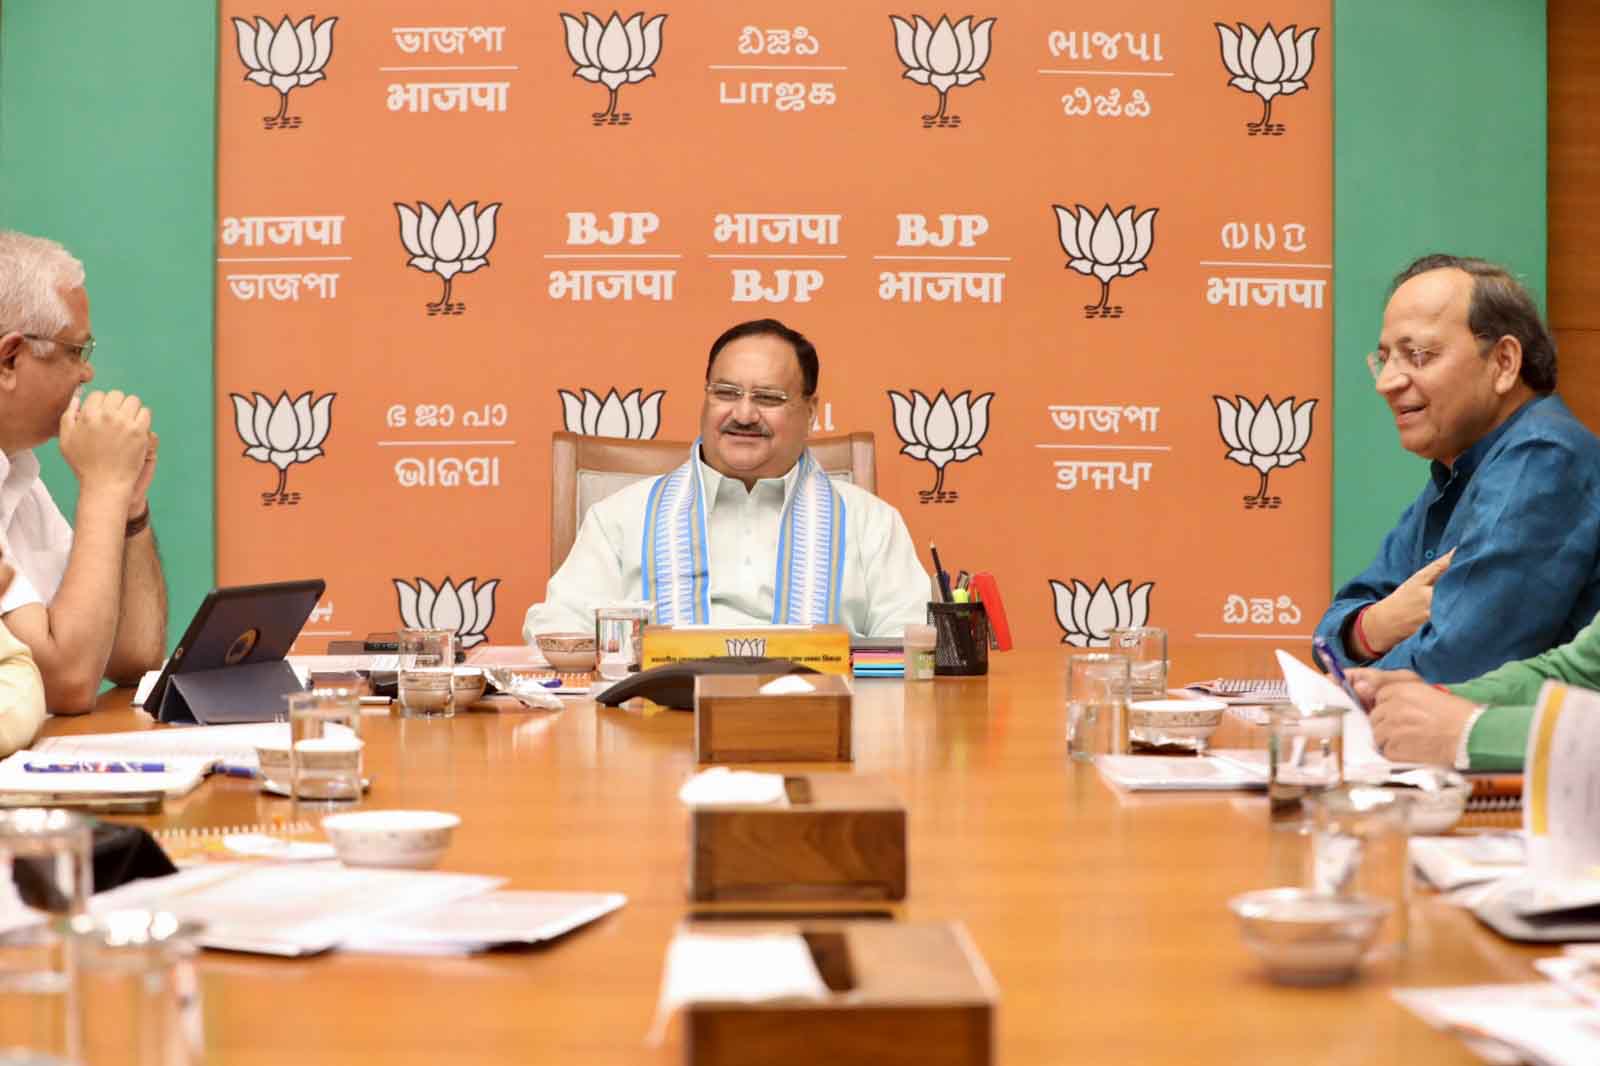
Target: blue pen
{"x":231,"y":770}
{"x":96,"y":767}
{"x":940,"y":574}
{"x":1330,"y":662}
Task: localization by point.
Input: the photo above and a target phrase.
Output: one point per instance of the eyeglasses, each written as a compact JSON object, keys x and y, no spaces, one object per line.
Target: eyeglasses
{"x":725,"y":392}
{"x":80,"y":352}
{"x":1412,"y":360}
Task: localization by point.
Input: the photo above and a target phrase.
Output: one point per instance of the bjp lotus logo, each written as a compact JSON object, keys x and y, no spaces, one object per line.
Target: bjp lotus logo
{"x":1265,"y":437}
{"x":1106,"y":246}
{"x":465,"y":609}
{"x":747,"y":647}
{"x":627,"y":416}
{"x":614,"y":54}
{"x":285,"y":58}
{"x":283,"y":434}
{"x":1087,"y":618}
{"x":940,"y":432}
{"x":447,"y":243}
{"x":943,"y":56}
{"x":1268,"y":65}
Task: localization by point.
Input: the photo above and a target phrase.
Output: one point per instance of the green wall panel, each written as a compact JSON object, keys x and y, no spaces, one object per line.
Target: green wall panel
{"x":1439,"y":145}
{"x":107,"y":144}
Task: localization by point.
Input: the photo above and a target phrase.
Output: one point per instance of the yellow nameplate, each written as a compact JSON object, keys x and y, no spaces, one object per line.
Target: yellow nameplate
{"x":826,"y":649}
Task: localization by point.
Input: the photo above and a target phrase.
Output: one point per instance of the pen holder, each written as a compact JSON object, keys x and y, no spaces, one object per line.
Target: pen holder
{"x":961,"y":639}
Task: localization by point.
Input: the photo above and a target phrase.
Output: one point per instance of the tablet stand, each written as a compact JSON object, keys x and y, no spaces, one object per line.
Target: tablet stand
{"x":253,"y":692}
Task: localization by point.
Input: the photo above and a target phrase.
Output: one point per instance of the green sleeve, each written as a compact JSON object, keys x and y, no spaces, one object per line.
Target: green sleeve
{"x":1517,"y":684}
{"x":1499,"y":738}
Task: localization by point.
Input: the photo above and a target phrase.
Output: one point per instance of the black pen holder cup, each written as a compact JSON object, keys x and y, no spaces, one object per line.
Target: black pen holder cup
{"x":961,"y":639}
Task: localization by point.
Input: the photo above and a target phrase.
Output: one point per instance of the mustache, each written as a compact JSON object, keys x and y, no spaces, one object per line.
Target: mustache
{"x":734,"y":426}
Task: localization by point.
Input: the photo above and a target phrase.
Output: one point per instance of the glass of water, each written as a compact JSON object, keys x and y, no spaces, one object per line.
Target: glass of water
{"x":427,"y":673}
{"x":1360,"y":836}
{"x":1305,"y":756}
{"x":1097,"y":705}
{"x":45,"y":881}
{"x":1146,"y":649}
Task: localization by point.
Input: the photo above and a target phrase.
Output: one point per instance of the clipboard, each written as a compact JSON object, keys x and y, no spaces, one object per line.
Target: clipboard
{"x":229,"y":666}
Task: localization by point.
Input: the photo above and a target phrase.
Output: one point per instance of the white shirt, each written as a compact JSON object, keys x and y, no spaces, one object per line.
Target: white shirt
{"x":35,"y":536}
{"x":885,"y":587}
{"x":21,"y":694}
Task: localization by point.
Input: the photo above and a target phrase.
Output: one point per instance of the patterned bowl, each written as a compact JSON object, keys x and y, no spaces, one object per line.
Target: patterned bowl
{"x":1187,"y":719}
{"x":568,"y":652}
{"x":469,"y":683}
{"x":416,"y":839}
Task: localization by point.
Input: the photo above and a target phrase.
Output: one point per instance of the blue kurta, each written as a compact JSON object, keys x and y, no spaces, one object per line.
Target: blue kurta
{"x":1521,"y":507}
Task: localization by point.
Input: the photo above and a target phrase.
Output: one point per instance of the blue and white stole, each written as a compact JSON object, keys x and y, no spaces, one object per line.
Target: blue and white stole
{"x":675,"y":561}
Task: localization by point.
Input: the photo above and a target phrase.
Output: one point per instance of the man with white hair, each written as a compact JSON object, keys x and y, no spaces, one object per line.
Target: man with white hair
{"x":89,"y":599}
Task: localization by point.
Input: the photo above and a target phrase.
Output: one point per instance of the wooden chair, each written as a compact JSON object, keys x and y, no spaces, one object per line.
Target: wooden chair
{"x":585,"y":470}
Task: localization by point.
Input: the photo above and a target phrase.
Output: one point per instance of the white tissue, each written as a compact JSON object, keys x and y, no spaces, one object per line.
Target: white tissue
{"x":722,"y":787}
{"x":735,"y":969}
{"x":787,"y":685}
{"x":1309,"y":690}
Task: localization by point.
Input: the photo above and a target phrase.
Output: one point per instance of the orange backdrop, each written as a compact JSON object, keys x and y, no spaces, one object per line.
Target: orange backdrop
{"x":392,"y":434}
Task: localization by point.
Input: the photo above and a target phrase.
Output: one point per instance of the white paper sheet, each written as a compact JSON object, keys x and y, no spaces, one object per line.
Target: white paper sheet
{"x":1309,"y":690}
{"x":1561,"y":798}
{"x":290,"y":908}
{"x":1176,"y":773}
{"x":180,"y":777}
{"x":482,"y":922}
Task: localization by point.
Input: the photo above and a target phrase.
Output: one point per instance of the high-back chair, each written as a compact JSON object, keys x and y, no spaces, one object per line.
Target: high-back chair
{"x":585,"y":470}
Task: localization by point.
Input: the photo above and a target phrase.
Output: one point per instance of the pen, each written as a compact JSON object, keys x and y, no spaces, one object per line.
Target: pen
{"x":231,"y":770}
{"x":1330,"y":662}
{"x":940,"y":573}
{"x":95,"y":767}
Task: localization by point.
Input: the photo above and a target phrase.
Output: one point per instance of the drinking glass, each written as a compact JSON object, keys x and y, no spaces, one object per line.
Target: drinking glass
{"x":1305,"y":755}
{"x":427,"y":673}
{"x":325,"y":747}
{"x":1097,"y":705}
{"x":45,"y":880}
{"x":619,"y":637}
{"x":1146,"y":649}
{"x":1360,"y":837}
{"x":136,"y":988}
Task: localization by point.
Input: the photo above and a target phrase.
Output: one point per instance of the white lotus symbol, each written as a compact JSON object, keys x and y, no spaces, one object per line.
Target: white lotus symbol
{"x":282,"y":433}
{"x":1106,"y":246}
{"x":465,"y":609}
{"x":1089,"y":617}
{"x":1271,"y":64}
{"x":614,"y":54}
{"x":753,"y":647}
{"x":628,"y":416}
{"x":284,"y":58}
{"x":1265,"y":437}
{"x":941,"y":432}
{"x":943,"y":56}
{"x":447,"y":243}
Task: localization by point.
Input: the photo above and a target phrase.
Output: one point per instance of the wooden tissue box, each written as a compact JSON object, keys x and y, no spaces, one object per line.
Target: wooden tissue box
{"x":824,"y":648}
{"x":902,"y":995}
{"x":842,"y":837}
{"x":734,"y":721}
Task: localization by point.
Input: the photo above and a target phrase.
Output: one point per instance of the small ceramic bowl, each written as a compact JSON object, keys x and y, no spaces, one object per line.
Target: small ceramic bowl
{"x":568,"y":652}
{"x":1306,"y":937}
{"x":1184,"y":720}
{"x":469,"y":683}
{"x":415,"y":839}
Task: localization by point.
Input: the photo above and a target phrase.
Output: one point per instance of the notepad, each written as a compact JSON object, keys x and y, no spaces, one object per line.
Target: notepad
{"x":1180,"y":773}
{"x":181,"y":777}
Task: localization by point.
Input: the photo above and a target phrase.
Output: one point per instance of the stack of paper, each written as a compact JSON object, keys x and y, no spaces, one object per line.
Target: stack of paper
{"x":1182,"y":773}
{"x":1539,"y":1022}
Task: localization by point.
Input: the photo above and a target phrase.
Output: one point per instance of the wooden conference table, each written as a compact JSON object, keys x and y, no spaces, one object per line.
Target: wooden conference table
{"x":1102,"y":917}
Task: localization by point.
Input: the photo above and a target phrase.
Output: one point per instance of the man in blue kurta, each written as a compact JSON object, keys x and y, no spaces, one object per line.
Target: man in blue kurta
{"x":1498,"y":558}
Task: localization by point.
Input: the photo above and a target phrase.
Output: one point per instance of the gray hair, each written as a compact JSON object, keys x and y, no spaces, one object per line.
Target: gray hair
{"x":33,"y":273}
{"x":1500,"y":306}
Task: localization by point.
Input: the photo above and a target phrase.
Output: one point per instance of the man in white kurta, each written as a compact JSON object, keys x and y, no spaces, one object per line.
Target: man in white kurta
{"x":750,"y":465}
